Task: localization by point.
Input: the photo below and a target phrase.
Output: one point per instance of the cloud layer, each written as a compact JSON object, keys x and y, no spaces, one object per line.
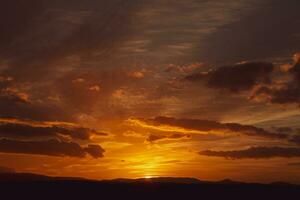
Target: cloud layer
{"x":27,"y":130}
{"x":50,"y":148}
{"x":31,"y":137}
{"x":237,"y":77}
{"x":209,"y":125}
{"x":255,"y":153}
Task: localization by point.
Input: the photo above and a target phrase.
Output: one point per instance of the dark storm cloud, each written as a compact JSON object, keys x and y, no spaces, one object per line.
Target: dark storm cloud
{"x":14,"y":130}
{"x":158,"y":137}
{"x":56,"y":38}
{"x":237,"y":77}
{"x":163,"y":37}
{"x":16,"y":16}
{"x":14,"y":107}
{"x":217,"y":31}
{"x":255,"y":153}
{"x":208,"y":125}
{"x":287,"y":93}
{"x":270,"y":30}
{"x":261,"y":81}
{"x":50,"y":148}
{"x":42,"y":33}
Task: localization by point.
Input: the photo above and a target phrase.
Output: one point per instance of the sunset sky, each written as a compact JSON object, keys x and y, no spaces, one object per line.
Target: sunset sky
{"x":109,"y":89}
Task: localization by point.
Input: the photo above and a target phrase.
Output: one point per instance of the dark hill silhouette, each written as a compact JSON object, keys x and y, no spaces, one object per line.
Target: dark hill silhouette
{"x":33,"y":186}
{"x":29,"y":177}
{"x":178,"y":180}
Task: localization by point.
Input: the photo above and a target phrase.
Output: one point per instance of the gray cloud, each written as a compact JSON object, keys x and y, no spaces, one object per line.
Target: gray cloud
{"x":255,"y":153}
{"x":237,"y":77}
{"x":45,"y":33}
{"x":270,"y":30}
{"x":95,"y":151}
{"x":164,"y":38}
{"x":50,"y":148}
{"x":17,"y":16}
{"x":208,"y":125}
{"x":286,"y":93}
{"x":15,"y":130}
{"x":295,"y":139}
{"x":30,"y":103}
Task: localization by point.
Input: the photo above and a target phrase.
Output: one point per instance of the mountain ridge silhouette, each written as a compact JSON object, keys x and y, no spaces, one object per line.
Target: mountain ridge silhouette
{"x":35,"y":186}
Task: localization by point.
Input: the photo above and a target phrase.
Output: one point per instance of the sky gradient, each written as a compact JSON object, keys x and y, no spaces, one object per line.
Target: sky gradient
{"x":113,"y":88}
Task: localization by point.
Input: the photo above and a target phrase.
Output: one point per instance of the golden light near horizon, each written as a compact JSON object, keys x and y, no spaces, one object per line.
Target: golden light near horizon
{"x":150,"y":160}
{"x":146,"y":166}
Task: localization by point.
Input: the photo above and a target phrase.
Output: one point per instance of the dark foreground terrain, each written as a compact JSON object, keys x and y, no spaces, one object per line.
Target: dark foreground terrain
{"x":31,"y":186}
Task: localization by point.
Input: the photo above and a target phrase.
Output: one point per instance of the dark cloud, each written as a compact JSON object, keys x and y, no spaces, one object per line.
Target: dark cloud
{"x":285,"y":130}
{"x":17,"y":108}
{"x":44,"y":33}
{"x":16,"y":103}
{"x":295,"y":139}
{"x":17,"y":16}
{"x":296,"y":69}
{"x":208,"y":125}
{"x":237,"y":77}
{"x":287,"y":92}
{"x":158,"y":137}
{"x":5,"y":81}
{"x":255,"y":153}
{"x":6,"y":170}
{"x":12,"y":98}
{"x":10,"y":94}
{"x":83,"y":83}
{"x":270,"y":30}
{"x":262,"y":80}
{"x":95,"y":151}
{"x":15,"y":130}
{"x":74,"y":94}
{"x":50,"y":148}
{"x":295,"y":164}
{"x":48,"y":42}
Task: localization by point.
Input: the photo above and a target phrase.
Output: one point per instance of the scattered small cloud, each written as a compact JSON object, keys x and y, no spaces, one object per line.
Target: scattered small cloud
{"x":95,"y":88}
{"x":137,"y":74}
